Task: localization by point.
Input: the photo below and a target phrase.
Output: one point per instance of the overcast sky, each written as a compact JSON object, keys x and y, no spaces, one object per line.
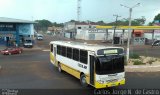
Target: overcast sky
{"x":65,"y":10}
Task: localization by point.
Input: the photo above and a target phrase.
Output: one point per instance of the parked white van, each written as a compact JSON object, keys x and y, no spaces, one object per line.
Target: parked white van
{"x":39,"y":37}
{"x":28,"y":42}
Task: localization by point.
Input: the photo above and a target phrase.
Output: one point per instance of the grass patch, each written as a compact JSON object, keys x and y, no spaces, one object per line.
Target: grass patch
{"x":134,"y":56}
{"x":138,"y":62}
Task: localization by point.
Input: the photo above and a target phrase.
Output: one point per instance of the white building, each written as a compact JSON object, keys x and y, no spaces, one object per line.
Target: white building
{"x":72,"y":27}
{"x":150,"y":34}
{"x":157,"y":34}
{"x":69,"y":25}
{"x":69,"y":29}
{"x":88,"y":31}
{"x":55,"y":30}
{"x":100,"y":34}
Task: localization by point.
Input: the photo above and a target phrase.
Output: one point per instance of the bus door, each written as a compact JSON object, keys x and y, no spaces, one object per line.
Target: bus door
{"x":55,"y":51}
{"x":92,"y":69}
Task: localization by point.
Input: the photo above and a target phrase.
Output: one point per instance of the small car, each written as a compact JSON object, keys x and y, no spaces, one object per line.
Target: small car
{"x":39,"y":37}
{"x":156,"y":43}
{"x":10,"y":51}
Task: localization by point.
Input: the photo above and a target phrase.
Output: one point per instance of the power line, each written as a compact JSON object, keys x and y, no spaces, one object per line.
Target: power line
{"x":117,"y":16}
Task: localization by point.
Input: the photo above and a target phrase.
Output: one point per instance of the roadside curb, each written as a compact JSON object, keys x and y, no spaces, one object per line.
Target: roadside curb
{"x":35,"y":47}
{"x":142,"y":68}
{"x":31,"y":49}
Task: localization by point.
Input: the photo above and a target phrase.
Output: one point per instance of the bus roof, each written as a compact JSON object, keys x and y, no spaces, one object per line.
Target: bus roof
{"x":84,"y":46}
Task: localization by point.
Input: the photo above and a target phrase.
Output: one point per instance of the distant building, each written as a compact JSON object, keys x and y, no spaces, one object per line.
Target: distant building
{"x":100,"y":34}
{"x":15,"y":30}
{"x":55,"y":30}
{"x":88,"y":31}
{"x":71,"y":28}
{"x":153,"y":34}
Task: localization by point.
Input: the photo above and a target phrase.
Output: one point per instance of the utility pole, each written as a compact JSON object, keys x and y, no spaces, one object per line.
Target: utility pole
{"x":78,"y":9}
{"x":129,"y":28}
{"x":78,"y":17}
{"x":117,"y":16}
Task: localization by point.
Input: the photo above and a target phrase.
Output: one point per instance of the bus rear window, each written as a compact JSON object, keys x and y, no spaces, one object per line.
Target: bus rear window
{"x":110,"y":51}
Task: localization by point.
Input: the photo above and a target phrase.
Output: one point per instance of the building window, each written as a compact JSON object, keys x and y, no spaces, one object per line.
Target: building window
{"x":69,"y":52}
{"x":76,"y":54}
{"x":83,"y":56}
{"x":79,"y":27}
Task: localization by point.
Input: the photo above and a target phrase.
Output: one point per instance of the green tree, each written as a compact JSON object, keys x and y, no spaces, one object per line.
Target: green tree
{"x":157,"y":17}
{"x":58,"y":24}
{"x":135,"y":22}
{"x":140,"y":21}
{"x":101,"y":22}
{"x":42,"y":25}
{"x":73,"y":20}
{"x":150,"y":23}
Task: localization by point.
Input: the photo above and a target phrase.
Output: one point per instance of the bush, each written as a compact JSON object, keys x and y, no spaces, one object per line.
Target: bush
{"x":134,"y":56}
{"x":151,"y":61}
{"x":138,"y":62}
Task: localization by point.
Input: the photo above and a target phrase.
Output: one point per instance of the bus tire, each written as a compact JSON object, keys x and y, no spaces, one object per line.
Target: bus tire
{"x":59,"y":67}
{"x":83,"y":80}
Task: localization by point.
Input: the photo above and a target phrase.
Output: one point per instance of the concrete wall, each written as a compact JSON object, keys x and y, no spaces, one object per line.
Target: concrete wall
{"x":69,"y":25}
{"x":67,"y":35}
{"x":157,"y":34}
{"x":148,"y":36}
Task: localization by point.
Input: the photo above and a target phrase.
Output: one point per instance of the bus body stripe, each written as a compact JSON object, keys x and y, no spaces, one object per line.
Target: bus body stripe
{"x":52,"y":56}
{"x":73,"y":72}
{"x":68,"y":69}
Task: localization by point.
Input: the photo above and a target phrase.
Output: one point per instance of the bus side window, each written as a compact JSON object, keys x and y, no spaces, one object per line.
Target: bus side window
{"x":51,"y":47}
{"x":83,"y":56}
{"x":59,"y":50}
{"x":76,"y":54}
{"x":69,"y":52}
{"x":63,"y":52}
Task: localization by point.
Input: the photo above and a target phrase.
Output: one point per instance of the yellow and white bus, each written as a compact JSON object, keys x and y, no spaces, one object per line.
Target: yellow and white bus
{"x":96,"y":65}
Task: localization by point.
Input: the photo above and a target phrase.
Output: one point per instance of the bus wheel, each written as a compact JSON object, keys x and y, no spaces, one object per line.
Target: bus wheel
{"x":59,"y":68}
{"x":83,"y":80}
